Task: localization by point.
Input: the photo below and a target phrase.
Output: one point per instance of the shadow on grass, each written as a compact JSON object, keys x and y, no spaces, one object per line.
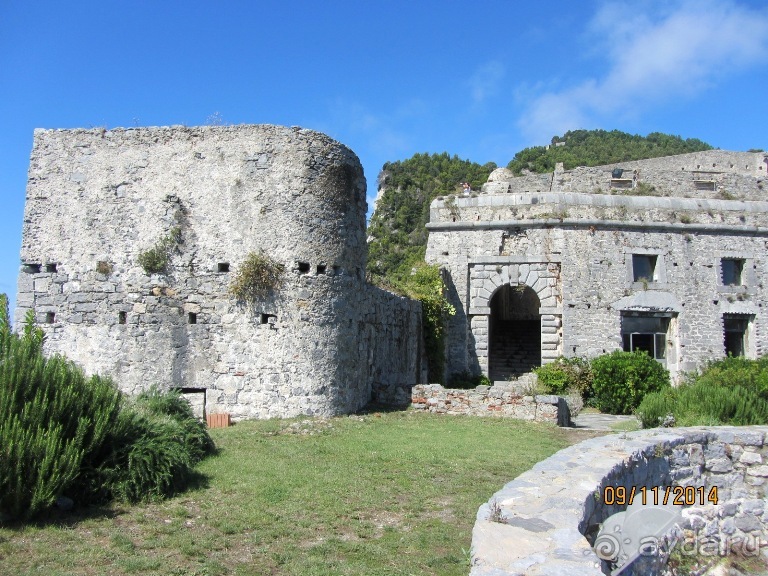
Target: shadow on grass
{"x":57,"y":517}
{"x":372,"y":407}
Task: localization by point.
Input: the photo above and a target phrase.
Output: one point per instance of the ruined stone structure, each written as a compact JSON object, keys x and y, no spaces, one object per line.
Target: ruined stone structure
{"x":324,"y":342}
{"x":665,"y":255}
{"x":544,"y":522}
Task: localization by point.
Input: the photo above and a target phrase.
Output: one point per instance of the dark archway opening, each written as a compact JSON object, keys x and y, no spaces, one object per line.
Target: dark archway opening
{"x":514,"y":329}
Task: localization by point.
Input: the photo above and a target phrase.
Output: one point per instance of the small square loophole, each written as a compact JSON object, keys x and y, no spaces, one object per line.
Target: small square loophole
{"x":52,"y":267}
{"x":321,"y":268}
{"x":192,"y":318}
{"x":303,"y":267}
{"x":122,"y":317}
{"x":50,"y":317}
{"x":268,"y":318}
{"x":223,"y":267}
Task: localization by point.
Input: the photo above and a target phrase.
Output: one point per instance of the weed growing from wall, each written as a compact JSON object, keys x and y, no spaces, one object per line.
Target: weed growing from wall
{"x":258,"y":275}
{"x":156,"y":259}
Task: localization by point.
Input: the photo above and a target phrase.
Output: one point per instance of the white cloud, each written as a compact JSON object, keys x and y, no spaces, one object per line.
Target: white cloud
{"x":485,"y":81}
{"x":654,"y":51}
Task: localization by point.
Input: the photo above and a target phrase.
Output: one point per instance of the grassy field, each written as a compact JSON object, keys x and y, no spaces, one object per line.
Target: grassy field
{"x":391,"y":493}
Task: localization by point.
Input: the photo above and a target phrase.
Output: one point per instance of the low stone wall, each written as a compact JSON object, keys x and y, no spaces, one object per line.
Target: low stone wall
{"x":539,"y":523}
{"x":496,"y":400}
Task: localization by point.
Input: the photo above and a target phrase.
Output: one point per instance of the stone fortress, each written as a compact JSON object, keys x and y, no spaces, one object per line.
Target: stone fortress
{"x":665,"y":255}
{"x":323,"y":343}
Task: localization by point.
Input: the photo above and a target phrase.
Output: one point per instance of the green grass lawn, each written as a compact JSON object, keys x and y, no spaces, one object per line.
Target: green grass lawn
{"x":391,"y":493}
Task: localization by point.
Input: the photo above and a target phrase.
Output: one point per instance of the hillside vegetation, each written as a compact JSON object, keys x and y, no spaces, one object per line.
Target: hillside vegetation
{"x":397,"y":234}
{"x":598,"y":147}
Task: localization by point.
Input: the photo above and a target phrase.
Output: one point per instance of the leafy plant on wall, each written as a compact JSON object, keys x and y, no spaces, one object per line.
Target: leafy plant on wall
{"x":425,"y":284}
{"x":258,"y":275}
{"x":156,"y":259}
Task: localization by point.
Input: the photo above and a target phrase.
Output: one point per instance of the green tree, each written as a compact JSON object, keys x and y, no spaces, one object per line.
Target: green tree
{"x":397,"y":231}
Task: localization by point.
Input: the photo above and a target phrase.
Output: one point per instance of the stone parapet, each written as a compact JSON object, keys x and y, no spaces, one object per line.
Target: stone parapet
{"x":544,"y":521}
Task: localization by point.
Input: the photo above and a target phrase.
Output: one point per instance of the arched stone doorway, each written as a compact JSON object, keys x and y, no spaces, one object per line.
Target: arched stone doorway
{"x":514,"y":329}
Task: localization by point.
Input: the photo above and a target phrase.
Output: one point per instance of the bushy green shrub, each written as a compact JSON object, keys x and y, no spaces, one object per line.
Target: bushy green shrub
{"x":704,"y":403}
{"x":467,"y":381}
{"x":565,"y":375}
{"x":622,"y":379}
{"x":732,"y":390}
{"x":151,"y":450}
{"x":51,"y":418}
{"x":736,"y":371}
{"x":62,"y":433}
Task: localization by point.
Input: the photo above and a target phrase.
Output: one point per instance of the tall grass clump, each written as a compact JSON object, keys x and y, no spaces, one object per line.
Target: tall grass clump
{"x":62,"y":433}
{"x":622,"y":379}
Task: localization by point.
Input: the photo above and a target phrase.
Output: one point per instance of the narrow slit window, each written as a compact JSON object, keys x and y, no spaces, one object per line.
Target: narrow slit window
{"x":50,"y":317}
{"x":223,"y":266}
{"x":303,"y":267}
{"x":122,"y":317}
{"x":52,"y":267}
{"x":192,"y":318}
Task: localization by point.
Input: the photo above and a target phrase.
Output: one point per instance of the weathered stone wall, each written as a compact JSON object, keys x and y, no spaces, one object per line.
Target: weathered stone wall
{"x":501,"y":399}
{"x":323,"y":343}
{"x":710,"y":174}
{"x":539,"y":523}
{"x":575,"y":251}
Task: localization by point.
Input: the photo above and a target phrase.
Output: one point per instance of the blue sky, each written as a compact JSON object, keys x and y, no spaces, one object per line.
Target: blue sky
{"x":481,"y":80}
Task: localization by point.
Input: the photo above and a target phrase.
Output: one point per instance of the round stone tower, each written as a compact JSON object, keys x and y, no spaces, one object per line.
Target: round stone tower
{"x":207,"y":197}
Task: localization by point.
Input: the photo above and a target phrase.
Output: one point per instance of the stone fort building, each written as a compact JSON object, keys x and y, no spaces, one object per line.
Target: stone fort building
{"x":666,"y":255}
{"x":324,"y":342}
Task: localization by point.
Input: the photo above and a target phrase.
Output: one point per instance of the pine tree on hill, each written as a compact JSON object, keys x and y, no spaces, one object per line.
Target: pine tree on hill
{"x":598,"y":147}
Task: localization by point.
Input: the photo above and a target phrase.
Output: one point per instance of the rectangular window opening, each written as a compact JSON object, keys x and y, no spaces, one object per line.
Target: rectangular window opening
{"x":735,"y":329}
{"x":192,"y":318}
{"x":303,"y":267}
{"x":52,"y":267}
{"x":223,"y":267}
{"x":646,"y":333}
{"x":122,"y":317}
{"x":268,"y":318}
{"x":644,"y":267}
{"x":704,"y":185}
{"x":731,"y":271}
{"x":50,"y":317}
{"x":32,"y":268}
